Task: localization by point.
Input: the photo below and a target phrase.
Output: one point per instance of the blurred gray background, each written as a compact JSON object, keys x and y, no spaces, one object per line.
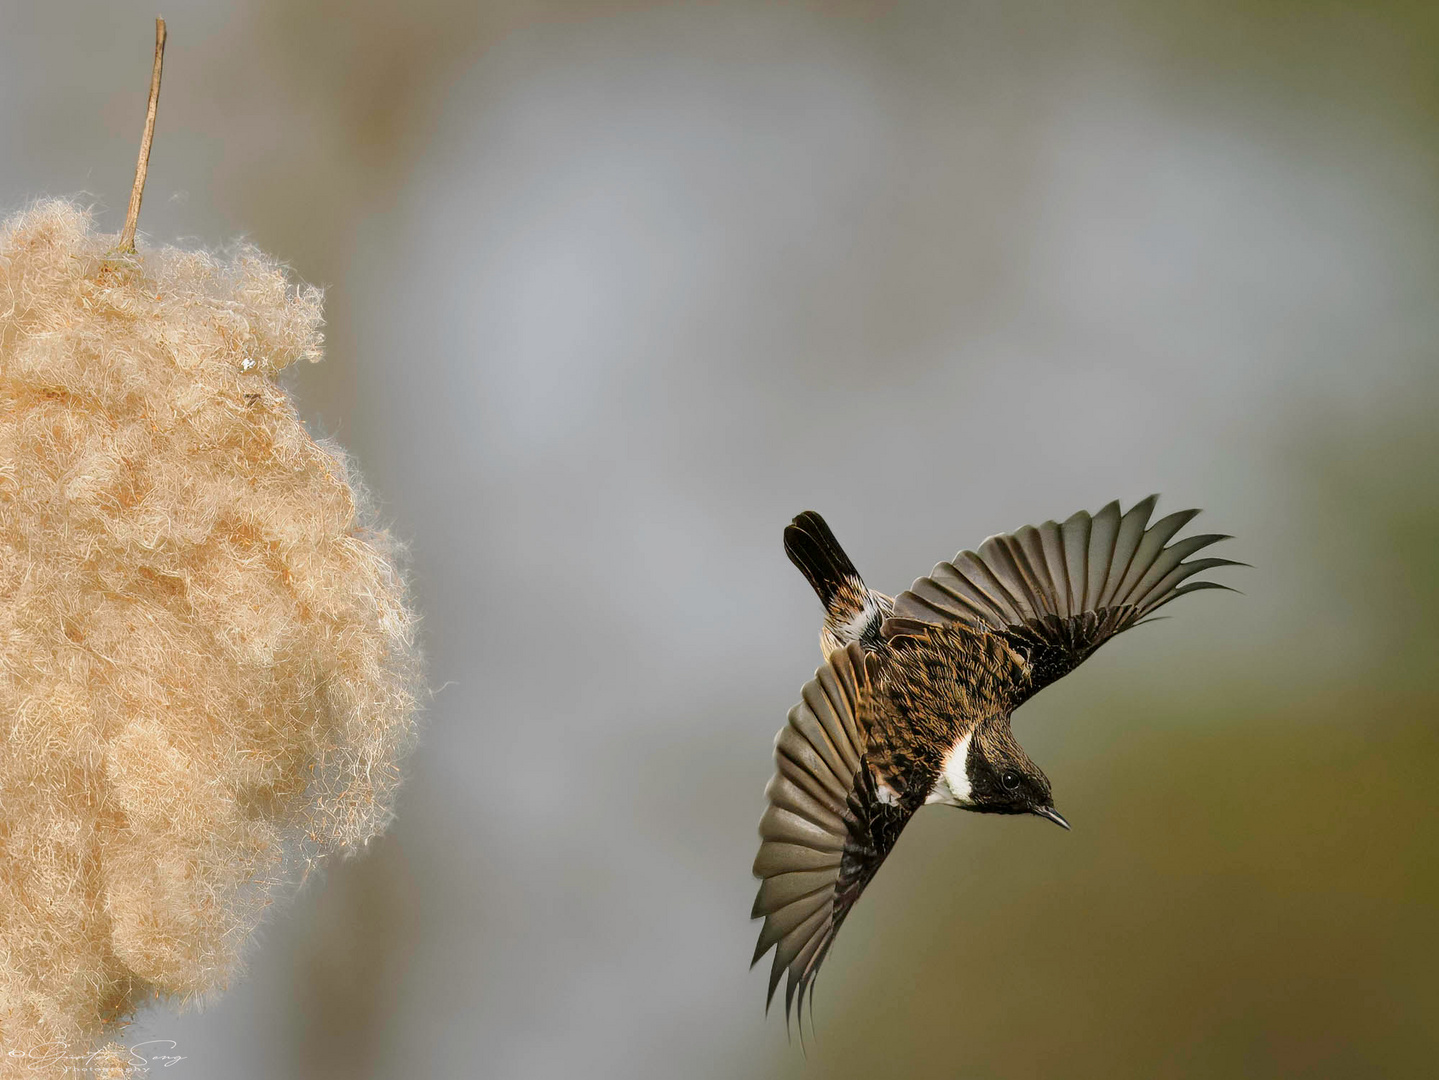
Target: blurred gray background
{"x":615,"y":289}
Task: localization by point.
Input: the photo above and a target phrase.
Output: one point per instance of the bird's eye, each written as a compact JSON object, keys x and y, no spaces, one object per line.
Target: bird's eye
{"x":1010,"y":779}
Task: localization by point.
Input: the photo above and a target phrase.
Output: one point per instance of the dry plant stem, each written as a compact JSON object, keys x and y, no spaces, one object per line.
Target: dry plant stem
{"x":132,"y":216}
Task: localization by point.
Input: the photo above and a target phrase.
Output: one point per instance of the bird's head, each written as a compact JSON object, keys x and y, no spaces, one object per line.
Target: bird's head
{"x":990,"y":773}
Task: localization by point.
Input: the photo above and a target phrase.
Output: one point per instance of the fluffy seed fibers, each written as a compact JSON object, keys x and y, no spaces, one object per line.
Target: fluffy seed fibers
{"x":207,"y":664}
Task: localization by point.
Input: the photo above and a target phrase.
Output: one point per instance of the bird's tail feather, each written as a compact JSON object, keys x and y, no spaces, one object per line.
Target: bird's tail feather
{"x":812,"y":547}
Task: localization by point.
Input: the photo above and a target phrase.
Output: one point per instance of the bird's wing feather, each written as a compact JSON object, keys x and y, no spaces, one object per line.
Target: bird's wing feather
{"x":1058,"y":592}
{"x":826,"y":829}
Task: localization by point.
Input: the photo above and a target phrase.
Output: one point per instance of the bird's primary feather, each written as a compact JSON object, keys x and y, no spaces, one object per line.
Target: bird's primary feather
{"x":822,"y":832}
{"x":1058,"y":592}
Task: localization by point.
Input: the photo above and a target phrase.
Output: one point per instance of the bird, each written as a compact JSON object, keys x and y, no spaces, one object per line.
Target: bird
{"x":912,"y":705}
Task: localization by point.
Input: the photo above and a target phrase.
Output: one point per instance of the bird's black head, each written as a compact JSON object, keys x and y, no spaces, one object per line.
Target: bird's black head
{"x":999,"y":777}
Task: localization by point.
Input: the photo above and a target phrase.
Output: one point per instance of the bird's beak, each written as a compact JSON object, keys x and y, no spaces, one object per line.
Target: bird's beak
{"x":1053,"y":815}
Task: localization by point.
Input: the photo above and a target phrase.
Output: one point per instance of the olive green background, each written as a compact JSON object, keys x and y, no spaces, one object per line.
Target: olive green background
{"x":614,"y":289}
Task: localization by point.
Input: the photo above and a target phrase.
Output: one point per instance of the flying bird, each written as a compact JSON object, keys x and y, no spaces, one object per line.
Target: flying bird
{"x":912,"y":704}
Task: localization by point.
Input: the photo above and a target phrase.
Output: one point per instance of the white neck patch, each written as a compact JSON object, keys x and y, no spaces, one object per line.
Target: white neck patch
{"x":952,"y":788}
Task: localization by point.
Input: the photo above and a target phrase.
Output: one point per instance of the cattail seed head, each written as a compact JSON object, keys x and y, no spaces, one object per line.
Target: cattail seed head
{"x":208,"y":673}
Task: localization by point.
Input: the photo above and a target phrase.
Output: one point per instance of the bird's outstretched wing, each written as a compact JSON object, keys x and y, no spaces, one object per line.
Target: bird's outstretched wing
{"x":830,"y":822}
{"x":1058,"y":592}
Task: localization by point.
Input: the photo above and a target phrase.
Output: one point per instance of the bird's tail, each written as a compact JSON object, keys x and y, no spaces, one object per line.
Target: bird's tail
{"x":812,"y":547}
